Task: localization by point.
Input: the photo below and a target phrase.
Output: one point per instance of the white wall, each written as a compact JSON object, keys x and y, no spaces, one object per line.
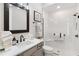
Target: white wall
{"x":62,"y":21}
{"x":32,"y":7}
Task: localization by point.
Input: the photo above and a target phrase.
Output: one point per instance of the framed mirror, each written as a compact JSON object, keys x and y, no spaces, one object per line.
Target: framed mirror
{"x":16,"y":18}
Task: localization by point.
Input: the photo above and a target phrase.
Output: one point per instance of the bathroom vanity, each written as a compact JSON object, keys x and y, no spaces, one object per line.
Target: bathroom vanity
{"x":36,"y":50}
{"x":27,"y":48}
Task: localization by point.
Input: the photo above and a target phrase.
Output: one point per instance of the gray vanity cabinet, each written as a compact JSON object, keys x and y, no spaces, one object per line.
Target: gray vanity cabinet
{"x":38,"y":53}
{"x":34,"y":51}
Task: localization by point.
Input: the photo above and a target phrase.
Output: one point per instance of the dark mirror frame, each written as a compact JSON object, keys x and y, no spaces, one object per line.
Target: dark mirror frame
{"x":6,"y":18}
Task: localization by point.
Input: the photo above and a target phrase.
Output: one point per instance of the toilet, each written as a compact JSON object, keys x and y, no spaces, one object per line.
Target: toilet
{"x":49,"y":51}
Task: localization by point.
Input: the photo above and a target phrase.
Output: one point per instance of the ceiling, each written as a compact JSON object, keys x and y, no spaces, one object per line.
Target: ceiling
{"x":52,"y":7}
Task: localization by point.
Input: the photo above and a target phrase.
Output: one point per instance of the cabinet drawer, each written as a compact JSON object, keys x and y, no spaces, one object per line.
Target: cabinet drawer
{"x":40,"y":45}
{"x":38,"y":53}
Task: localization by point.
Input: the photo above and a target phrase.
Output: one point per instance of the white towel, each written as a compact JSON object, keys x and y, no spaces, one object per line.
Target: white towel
{"x":4,"y":34}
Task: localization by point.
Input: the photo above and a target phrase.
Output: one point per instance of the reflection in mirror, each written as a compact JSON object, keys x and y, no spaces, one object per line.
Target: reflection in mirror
{"x":16,"y":18}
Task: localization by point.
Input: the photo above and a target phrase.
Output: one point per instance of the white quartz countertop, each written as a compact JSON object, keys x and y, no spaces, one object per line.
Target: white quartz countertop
{"x":19,"y":48}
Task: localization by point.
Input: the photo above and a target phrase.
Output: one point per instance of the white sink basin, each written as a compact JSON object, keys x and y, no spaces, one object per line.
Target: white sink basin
{"x":28,"y":42}
{"x":22,"y":44}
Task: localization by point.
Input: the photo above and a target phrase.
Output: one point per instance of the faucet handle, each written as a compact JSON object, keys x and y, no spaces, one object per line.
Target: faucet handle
{"x":24,"y":39}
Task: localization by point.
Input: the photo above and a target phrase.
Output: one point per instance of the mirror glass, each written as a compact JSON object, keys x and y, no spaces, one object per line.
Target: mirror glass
{"x":17,"y":18}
